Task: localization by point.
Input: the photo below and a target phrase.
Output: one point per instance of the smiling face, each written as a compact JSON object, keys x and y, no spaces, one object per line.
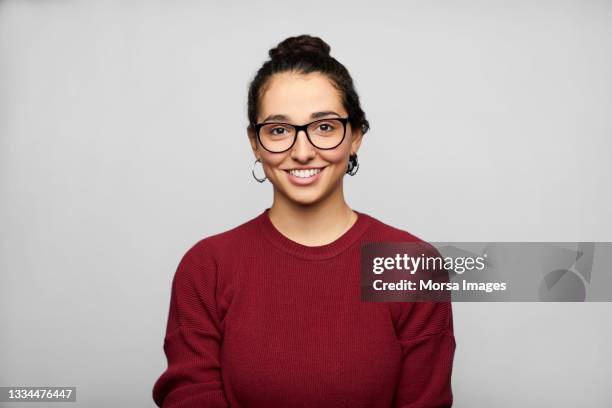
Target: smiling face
{"x":298,"y":99}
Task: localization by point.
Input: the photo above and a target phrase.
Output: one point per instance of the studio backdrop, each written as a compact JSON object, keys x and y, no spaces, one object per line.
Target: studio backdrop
{"x":123,"y":142}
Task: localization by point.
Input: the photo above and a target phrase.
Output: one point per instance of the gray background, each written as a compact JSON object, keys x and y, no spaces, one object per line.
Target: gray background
{"x":122,"y":143}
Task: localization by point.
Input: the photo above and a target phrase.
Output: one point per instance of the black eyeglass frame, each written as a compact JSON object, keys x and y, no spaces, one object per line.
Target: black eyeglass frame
{"x":297,"y":128}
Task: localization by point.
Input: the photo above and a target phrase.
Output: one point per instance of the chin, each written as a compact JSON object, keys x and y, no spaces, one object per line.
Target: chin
{"x":305,"y":198}
{"x":305,"y":195}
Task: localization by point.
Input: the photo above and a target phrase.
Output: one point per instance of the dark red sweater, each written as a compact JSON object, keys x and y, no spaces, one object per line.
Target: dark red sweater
{"x":258,"y":320}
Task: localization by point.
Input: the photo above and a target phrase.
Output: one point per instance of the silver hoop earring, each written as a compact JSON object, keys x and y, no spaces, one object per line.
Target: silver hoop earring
{"x":253,"y":172}
{"x":353,"y":165}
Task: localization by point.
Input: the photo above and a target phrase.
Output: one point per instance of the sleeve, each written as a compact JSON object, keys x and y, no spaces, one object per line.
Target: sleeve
{"x":193,"y":338}
{"x":425,"y":333}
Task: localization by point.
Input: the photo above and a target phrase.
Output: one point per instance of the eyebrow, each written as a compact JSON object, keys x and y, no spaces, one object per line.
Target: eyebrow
{"x":315,"y":115}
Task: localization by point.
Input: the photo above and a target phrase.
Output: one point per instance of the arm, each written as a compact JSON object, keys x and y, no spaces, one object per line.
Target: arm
{"x":425,"y":332}
{"x":193,"y":338}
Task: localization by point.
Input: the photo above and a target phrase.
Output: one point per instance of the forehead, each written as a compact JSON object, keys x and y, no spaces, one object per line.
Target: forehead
{"x":298,"y":95}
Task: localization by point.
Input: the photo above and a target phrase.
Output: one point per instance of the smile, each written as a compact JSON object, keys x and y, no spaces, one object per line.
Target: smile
{"x":304,"y":173}
{"x":303,"y":177}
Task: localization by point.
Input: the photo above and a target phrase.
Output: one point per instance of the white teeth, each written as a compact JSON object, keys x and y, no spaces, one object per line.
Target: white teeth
{"x":304,"y":173}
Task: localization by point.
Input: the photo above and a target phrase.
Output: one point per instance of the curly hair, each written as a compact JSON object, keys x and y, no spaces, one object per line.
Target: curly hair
{"x":306,"y":54}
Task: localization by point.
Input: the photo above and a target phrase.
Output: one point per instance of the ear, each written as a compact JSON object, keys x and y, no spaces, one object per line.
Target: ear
{"x":253,"y":141}
{"x":356,"y":140}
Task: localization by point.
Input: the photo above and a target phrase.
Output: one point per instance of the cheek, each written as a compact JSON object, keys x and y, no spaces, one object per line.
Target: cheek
{"x":271,"y":161}
{"x":336,"y":156}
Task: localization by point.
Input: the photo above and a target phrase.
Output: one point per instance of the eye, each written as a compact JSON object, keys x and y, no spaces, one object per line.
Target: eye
{"x":326,"y":127}
{"x":274,"y":132}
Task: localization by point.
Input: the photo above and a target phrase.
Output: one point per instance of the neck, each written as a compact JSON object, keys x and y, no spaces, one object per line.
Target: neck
{"x":314,"y":224}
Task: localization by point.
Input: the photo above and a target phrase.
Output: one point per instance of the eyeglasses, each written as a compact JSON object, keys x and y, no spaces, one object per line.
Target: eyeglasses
{"x":278,"y":137}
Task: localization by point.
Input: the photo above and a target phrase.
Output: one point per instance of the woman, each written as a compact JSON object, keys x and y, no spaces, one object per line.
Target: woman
{"x":268,"y":314}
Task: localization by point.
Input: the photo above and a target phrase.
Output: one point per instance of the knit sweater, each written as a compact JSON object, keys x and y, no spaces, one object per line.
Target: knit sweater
{"x":258,"y":320}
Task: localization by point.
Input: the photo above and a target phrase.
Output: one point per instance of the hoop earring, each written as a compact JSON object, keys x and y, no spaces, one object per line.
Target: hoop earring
{"x":353,"y":165}
{"x":253,"y":172}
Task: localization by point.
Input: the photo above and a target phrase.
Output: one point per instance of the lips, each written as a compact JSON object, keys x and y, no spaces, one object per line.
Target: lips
{"x":302,"y":177}
{"x":304,"y":173}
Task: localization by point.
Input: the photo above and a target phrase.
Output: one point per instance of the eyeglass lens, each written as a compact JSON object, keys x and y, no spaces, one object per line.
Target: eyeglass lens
{"x":324,"y":134}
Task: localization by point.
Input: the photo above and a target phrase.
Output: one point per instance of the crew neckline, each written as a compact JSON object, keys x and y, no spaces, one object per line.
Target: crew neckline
{"x":317,"y":252}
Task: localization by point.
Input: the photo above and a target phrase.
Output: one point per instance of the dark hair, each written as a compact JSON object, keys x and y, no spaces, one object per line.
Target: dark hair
{"x":305,"y":54}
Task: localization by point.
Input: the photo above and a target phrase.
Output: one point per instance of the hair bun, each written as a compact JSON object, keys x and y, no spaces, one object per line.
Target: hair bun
{"x":300,"y":45}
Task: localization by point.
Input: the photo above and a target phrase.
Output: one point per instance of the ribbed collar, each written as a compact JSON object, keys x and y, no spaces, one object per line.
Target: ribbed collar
{"x":313,"y":252}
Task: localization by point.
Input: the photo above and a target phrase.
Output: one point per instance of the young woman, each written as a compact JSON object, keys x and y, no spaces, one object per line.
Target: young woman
{"x":268,"y":314}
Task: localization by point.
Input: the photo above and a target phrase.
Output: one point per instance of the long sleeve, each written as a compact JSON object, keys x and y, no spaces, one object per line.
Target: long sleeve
{"x":257,"y":320}
{"x":193,"y":338}
{"x":425,"y":332}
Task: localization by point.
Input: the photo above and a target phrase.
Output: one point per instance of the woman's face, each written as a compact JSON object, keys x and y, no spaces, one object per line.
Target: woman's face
{"x":297,"y":97}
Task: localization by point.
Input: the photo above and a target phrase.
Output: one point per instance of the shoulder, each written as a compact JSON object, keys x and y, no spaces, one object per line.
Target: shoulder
{"x":387,"y":232}
{"x":225,"y":243}
{"x":205,"y":263}
{"x":397,"y":239}
{"x":380,"y":231}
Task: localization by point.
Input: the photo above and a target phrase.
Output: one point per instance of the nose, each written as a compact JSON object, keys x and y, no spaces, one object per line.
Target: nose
{"x":302,"y":150}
